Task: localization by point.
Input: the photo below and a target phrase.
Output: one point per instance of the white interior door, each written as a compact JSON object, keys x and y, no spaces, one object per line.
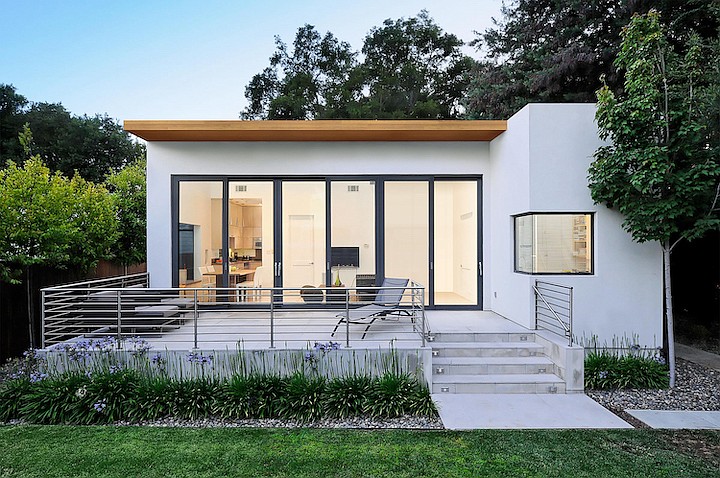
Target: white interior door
{"x":300,"y":256}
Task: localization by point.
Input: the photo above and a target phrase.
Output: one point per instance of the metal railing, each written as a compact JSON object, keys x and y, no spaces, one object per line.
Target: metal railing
{"x":554,"y":308}
{"x":210,"y":317}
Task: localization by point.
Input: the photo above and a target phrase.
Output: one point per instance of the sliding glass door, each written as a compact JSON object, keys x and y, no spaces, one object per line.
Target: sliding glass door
{"x":318,"y":232}
{"x":455,"y":247}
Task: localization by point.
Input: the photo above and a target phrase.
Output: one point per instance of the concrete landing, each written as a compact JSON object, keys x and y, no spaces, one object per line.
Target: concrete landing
{"x":687,"y":419}
{"x":577,"y":410}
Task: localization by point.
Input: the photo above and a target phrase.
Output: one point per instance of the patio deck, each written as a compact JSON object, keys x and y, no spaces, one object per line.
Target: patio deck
{"x":294,"y":330}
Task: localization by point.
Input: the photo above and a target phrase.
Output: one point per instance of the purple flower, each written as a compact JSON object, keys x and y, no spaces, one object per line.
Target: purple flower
{"x":157,"y":359}
{"x":100,"y":406}
{"x":115,"y":368}
{"x":196,"y":357}
{"x":37,"y":377}
{"x":603,"y":374}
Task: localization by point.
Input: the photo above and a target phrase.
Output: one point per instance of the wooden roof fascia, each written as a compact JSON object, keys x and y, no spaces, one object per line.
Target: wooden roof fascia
{"x":316,"y":130}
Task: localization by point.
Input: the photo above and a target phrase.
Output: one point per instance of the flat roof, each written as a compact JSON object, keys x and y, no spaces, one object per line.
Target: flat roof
{"x":316,"y":130}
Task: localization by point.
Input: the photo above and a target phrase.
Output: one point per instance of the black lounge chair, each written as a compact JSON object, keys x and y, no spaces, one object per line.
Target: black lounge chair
{"x":386,"y":302}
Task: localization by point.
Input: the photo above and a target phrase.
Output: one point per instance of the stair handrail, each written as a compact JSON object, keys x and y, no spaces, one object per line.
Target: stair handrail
{"x":566,"y":326}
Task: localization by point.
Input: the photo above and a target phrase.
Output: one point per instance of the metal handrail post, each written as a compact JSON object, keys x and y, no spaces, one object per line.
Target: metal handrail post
{"x":195,"y":319}
{"x":42,"y":319}
{"x":422,"y":305}
{"x":570,"y":325}
{"x":119,"y":319}
{"x":347,"y":318}
{"x":272,"y":319}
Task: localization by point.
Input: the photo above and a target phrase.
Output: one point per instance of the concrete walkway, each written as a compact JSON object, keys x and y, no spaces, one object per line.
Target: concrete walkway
{"x":698,"y":356}
{"x":678,"y":419}
{"x":468,"y":412}
{"x":684,"y":419}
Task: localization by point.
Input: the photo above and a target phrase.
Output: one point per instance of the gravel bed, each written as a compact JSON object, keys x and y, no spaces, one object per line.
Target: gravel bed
{"x":405,"y":422}
{"x":696,"y":388}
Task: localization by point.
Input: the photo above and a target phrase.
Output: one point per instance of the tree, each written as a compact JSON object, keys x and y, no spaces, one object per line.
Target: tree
{"x":662,"y":168}
{"x":550,"y":51}
{"x":47,"y":219}
{"x":411,"y":69}
{"x":128,"y":193}
{"x":304,"y":84}
{"x":90,"y":145}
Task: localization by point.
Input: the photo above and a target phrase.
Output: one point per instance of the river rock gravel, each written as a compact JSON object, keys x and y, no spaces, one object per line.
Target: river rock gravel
{"x":405,"y":422}
{"x":696,"y":388}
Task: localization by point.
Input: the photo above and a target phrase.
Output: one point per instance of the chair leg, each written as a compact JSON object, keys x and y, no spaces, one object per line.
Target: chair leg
{"x":368,"y":327}
{"x":336,"y":327}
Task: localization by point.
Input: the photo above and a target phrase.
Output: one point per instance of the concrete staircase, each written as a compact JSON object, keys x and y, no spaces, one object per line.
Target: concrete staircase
{"x":481,"y":362}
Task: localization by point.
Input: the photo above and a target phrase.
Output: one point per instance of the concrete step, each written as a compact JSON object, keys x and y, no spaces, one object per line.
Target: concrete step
{"x":487,"y":349}
{"x":449,"y":337}
{"x":491,"y":365}
{"x":499,"y":383}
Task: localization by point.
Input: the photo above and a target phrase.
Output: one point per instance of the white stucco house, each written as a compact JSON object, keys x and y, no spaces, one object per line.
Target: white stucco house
{"x":478,"y":215}
{"x":476,"y":211}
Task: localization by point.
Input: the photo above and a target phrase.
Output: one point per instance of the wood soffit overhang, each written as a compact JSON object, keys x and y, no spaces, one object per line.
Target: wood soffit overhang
{"x":316,"y":130}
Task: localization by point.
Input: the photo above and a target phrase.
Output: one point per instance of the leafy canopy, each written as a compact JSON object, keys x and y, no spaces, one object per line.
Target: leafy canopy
{"x":410,"y":68}
{"x":662,"y":168}
{"x":90,"y":145}
{"x":48,"y":219}
{"x":556,"y":51}
{"x":128,"y":192}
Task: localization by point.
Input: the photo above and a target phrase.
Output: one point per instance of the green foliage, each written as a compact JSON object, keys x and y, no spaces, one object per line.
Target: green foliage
{"x":410,"y":69}
{"x":556,"y":52}
{"x":92,"y":146}
{"x":116,"y":393}
{"x":62,"y":399}
{"x":662,"y":168}
{"x":12,"y":393}
{"x":389,"y":396}
{"x":152,"y":400}
{"x":606,"y":371}
{"x":345,"y":397}
{"x":303,"y":398}
{"x":49,"y":219}
{"x":192,"y":398}
{"x":128,"y":191}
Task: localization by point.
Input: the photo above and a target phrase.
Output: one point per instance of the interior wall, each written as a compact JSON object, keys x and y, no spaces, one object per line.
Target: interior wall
{"x":196,"y":208}
{"x":465,"y":239}
{"x":352,"y":215}
{"x":305,"y":199}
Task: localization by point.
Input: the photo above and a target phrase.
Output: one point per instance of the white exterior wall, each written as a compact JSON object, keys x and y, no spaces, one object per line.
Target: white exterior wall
{"x":538,"y":165}
{"x":272,"y":159}
{"x":549,"y":148}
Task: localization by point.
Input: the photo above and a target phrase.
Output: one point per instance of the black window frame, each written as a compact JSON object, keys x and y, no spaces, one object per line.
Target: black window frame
{"x":591,"y":235}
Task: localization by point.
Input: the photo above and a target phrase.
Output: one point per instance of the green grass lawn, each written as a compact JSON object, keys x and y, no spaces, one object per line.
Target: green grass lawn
{"x":40,"y":451}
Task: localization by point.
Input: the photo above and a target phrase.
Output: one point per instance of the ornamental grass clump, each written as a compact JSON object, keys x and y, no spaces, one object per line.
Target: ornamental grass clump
{"x":98,"y":381}
{"x":607,"y":371}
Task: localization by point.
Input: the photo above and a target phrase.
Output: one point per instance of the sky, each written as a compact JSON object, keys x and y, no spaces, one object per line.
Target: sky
{"x":181,"y":59}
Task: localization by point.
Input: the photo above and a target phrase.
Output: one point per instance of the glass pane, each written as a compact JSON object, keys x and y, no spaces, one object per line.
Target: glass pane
{"x":524,"y":244}
{"x":250,"y":236}
{"x":455,"y":247}
{"x":303,"y":233}
{"x":561,"y":243}
{"x":407,"y":230}
{"x":200,"y":234}
{"x":352,"y":237}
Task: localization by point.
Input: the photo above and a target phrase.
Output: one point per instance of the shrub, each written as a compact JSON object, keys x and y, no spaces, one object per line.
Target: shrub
{"x":605,"y":371}
{"x":12,"y":394}
{"x":193,"y":398}
{"x":390,"y":396}
{"x":114,"y":393}
{"x":152,"y":400}
{"x":345,"y":397}
{"x":302,"y":398}
{"x":61,"y":399}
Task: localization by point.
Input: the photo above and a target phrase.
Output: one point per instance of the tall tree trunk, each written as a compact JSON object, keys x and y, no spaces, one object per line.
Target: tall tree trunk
{"x":669,"y":312}
{"x":30,"y":307}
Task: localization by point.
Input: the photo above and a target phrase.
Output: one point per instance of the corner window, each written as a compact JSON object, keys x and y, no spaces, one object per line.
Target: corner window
{"x":553,"y":243}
